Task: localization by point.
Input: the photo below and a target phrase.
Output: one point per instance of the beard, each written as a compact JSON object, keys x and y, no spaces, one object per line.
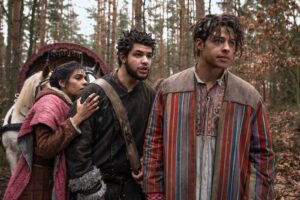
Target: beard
{"x":133,"y":73}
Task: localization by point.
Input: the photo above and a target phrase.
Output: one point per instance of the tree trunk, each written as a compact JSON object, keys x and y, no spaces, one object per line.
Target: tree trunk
{"x":187,"y":40}
{"x":8,"y":53}
{"x":108,"y":33}
{"x":98,"y":28}
{"x":172,"y":47}
{"x":182,"y":34}
{"x":8,"y":38}
{"x":113,"y":35}
{"x":103,"y":30}
{"x":32,"y":28}
{"x":1,"y":45}
{"x":16,"y":36}
{"x":168,"y":54}
{"x":138,"y":14}
{"x":161,"y":44}
{"x":1,"y":51}
{"x":227,"y":6}
{"x":58,"y":31}
{"x":143,"y":16}
{"x":209,"y":6}
{"x":71,"y":29}
{"x":42,"y":24}
{"x":132,"y":13}
{"x":161,"y":50}
{"x":200,"y":9}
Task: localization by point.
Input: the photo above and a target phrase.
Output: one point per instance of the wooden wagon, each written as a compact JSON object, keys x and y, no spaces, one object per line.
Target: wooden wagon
{"x":52,"y":55}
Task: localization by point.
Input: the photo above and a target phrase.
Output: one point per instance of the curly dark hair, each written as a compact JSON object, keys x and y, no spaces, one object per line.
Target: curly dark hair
{"x":132,"y":37}
{"x":213,"y":23}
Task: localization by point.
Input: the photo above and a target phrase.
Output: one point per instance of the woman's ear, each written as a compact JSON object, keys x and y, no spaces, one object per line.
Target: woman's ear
{"x":62,"y":83}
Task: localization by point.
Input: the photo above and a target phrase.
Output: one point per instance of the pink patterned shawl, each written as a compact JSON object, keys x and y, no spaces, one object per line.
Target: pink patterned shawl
{"x":50,"y":109}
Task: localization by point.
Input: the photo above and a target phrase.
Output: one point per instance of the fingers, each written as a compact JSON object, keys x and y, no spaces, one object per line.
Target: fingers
{"x":92,"y":97}
{"x":87,"y":108}
{"x":91,"y":100}
{"x":137,"y":176}
{"x":90,"y":104}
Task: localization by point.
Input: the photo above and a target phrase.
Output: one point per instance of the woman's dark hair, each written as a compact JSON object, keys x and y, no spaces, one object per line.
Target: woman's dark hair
{"x":132,"y":37}
{"x":213,"y":23}
{"x":63,"y":72}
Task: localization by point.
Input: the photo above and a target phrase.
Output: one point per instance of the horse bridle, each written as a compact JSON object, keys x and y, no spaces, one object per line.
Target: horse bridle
{"x":39,"y":87}
{"x":16,"y":126}
{"x":10,"y":126}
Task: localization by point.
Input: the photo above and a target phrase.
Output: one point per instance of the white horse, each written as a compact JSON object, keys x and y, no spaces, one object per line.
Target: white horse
{"x":16,"y":114}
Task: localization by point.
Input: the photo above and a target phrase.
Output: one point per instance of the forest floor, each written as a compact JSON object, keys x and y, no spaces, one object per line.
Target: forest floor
{"x":286,"y":144}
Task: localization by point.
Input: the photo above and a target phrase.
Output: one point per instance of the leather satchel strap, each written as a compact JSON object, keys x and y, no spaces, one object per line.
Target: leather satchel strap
{"x":131,"y":150}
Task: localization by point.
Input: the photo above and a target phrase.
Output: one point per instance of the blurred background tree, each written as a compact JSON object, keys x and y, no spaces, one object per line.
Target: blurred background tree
{"x":270,"y":60}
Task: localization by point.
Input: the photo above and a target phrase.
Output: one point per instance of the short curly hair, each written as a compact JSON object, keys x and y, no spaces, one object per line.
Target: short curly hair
{"x":132,"y":37}
{"x":213,"y":23}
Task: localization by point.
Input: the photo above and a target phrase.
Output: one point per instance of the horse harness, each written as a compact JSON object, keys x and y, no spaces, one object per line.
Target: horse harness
{"x":10,"y":126}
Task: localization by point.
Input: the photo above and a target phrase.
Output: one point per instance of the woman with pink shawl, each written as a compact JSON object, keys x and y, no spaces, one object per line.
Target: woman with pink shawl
{"x":41,"y":170}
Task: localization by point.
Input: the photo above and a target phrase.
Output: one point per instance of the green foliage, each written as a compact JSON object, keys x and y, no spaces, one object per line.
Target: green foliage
{"x":123,"y":22}
{"x":63,"y":24}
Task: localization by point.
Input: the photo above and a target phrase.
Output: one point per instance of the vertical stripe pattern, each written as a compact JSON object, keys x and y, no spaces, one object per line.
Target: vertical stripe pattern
{"x":244,"y":160}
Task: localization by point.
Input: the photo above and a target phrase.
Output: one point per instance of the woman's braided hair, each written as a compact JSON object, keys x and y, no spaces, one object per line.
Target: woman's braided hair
{"x":132,"y":37}
{"x":213,"y":23}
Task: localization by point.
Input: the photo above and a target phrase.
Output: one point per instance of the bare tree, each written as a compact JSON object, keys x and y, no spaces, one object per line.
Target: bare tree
{"x":200,"y":9}
{"x":161,"y":43}
{"x":103,"y":29}
{"x":138,"y":14}
{"x":1,"y":42}
{"x":9,"y":35}
{"x":2,"y":78}
{"x":113,"y":34}
{"x":182,"y":35}
{"x":98,"y":28}
{"x":133,"y":13}
{"x":58,"y":30}
{"x":227,"y":6}
{"x":42,"y":22}
{"x":108,"y":33}
{"x":16,"y":41}
{"x":143,"y":15}
{"x":209,"y":6}
{"x":32,"y":28}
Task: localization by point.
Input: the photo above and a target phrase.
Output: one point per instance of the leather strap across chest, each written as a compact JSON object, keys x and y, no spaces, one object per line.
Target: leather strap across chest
{"x":131,"y":150}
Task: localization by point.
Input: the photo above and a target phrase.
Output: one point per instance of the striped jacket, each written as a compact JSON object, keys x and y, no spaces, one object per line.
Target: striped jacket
{"x":244,"y":160}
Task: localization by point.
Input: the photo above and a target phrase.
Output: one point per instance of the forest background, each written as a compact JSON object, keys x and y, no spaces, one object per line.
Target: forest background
{"x":270,"y":60}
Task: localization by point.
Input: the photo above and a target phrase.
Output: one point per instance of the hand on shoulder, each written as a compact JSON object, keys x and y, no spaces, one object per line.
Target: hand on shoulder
{"x":86,"y":109}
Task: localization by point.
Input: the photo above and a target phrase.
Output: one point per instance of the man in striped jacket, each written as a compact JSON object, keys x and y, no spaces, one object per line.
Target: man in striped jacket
{"x":208,"y":135}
